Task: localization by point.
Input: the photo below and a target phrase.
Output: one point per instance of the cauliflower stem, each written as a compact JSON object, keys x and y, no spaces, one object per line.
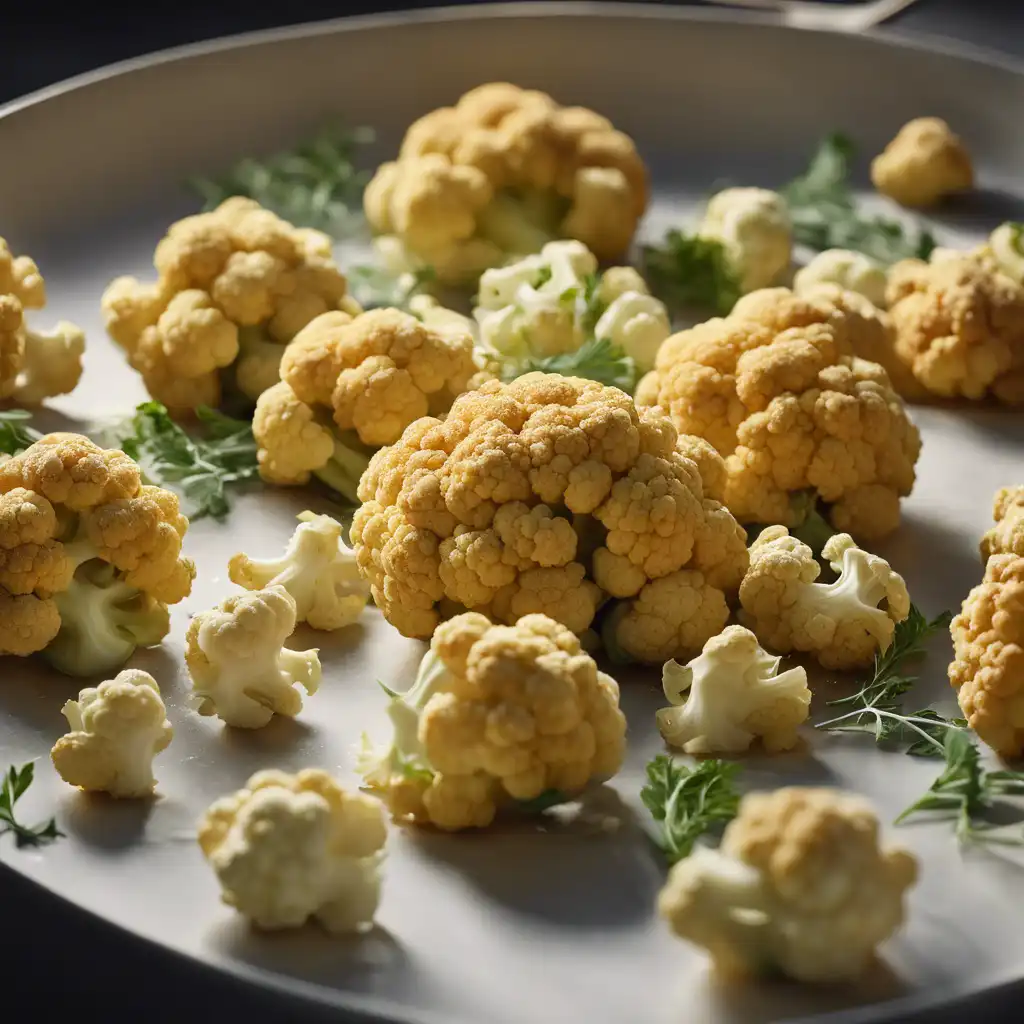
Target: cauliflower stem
{"x":345,"y":467}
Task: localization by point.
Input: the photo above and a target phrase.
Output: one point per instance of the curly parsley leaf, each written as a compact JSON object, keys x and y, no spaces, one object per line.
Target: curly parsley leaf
{"x":15,"y":433}
{"x":316,"y":184}
{"x":690,"y":271}
{"x":687,"y":802}
{"x":597,"y":359}
{"x":15,"y":783}
{"x":200,"y":467}
{"x":825,"y":216}
{"x":375,"y":288}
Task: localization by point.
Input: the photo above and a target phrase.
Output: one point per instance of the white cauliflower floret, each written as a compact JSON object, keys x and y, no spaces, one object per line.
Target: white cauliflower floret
{"x":800,"y":885}
{"x":291,"y":847}
{"x":753,"y":225}
{"x":240,"y":670}
{"x":851,"y":271}
{"x":731,"y":694}
{"x":637,"y":323}
{"x":317,"y":569}
{"x":117,"y":728}
{"x":1005,"y":247}
{"x":840,"y":623}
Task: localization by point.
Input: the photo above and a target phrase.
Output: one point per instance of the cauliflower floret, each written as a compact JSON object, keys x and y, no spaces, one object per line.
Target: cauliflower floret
{"x":317,"y":569}
{"x":959,"y":325}
{"x":1007,"y":536}
{"x":496,"y":714}
{"x":840,"y":623}
{"x":1004,"y":249}
{"x":754,"y":227}
{"x":357,"y":384}
{"x":117,"y":728}
{"x":800,"y":885}
{"x":241,"y":672}
{"x":851,"y":271}
{"x":777,"y":389}
{"x":731,"y":694}
{"x":988,"y":655}
{"x":34,"y":365}
{"x":500,"y":174}
{"x":89,"y":556}
{"x":923,"y":164}
{"x":479,"y":511}
{"x":234,"y":285}
{"x":288,"y":848}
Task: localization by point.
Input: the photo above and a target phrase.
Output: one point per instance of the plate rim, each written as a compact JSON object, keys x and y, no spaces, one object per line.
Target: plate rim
{"x":374,"y":1008}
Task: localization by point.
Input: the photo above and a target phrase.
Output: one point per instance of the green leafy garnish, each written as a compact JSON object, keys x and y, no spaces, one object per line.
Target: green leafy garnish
{"x":376,"y":288}
{"x":16,"y":782}
{"x":15,"y":433}
{"x":690,"y":271}
{"x":541,"y":803}
{"x":965,"y":790}
{"x":877,"y":706}
{"x":825,"y":216}
{"x":317,"y":184}
{"x":686,"y":802}
{"x":597,"y":359}
{"x":200,"y":468}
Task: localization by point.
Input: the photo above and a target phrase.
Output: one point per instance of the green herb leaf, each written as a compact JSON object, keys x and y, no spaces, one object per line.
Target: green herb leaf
{"x":690,"y":271}
{"x":317,"y":184}
{"x":824,"y":211}
{"x":686,"y":802}
{"x":15,"y":784}
{"x":376,"y":288}
{"x":877,"y":705}
{"x":541,"y":803}
{"x":597,"y":359}
{"x":15,"y":433}
{"x":200,"y":468}
{"x":965,"y":791}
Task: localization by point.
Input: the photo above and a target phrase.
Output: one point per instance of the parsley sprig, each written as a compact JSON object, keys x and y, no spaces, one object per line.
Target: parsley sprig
{"x":15,"y":783}
{"x":688,"y":271}
{"x":15,"y":433}
{"x":877,"y":705}
{"x":825,"y":215}
{"x":596,"y":359}
{"x":201,"y":467}
{"x":317,"y":184}
{"x":375,"y":288}
{"x":686,"y":802}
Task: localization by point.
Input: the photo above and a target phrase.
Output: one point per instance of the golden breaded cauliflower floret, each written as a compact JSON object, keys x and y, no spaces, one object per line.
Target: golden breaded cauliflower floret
{"x":117,"y":728}
{"x":480,"y":510}
{"x":496,"y":714}
{"x":1007,"y":536}
{"x":288,"y":848}
{"x":844,"y":624}
{"x":89,"y":556}
{"x":800,"y":885}
{"x":500,"y":174}
{"x":959,"y":325}
{"x":777,"y":388}
{"x":988,"y":655}
{"x":923,"y":164}
{"x":34,"y":365}
{"x":235,"y":286}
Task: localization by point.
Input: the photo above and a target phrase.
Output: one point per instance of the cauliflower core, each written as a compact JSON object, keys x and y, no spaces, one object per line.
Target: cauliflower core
{"x":89,"y":556}
{"x":730,"y":695}
{"x":799,"y":886}
{"x":550,"y":303}
{"x":549,"y":494}
{"x":923,"y":164}
{"x":318,"y":570}
{"x":1007,"y":536}
{"x":241,"y":671}
{"x":988,"y":655}
{"x":840,"y":623}
{"x":288,"y":848}
{"x":34,"y":365}
{"x":351,"y":385}
{"x":235,"y":286}
{"x":959,"y":324}
{"x":496,"y":714}
{"x":777,"y":389}
{"x":500,"y":174}
{"x":117,"y":728}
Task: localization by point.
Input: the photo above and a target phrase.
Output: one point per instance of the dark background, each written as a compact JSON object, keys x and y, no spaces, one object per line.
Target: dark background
{"x":54,"y":959}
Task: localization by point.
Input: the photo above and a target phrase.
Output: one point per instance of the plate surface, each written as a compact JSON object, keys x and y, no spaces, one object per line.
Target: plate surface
{"x":514,"y":925}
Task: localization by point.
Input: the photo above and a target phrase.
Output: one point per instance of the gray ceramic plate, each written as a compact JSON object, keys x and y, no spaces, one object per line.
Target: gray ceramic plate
{"x":545,"y":926}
